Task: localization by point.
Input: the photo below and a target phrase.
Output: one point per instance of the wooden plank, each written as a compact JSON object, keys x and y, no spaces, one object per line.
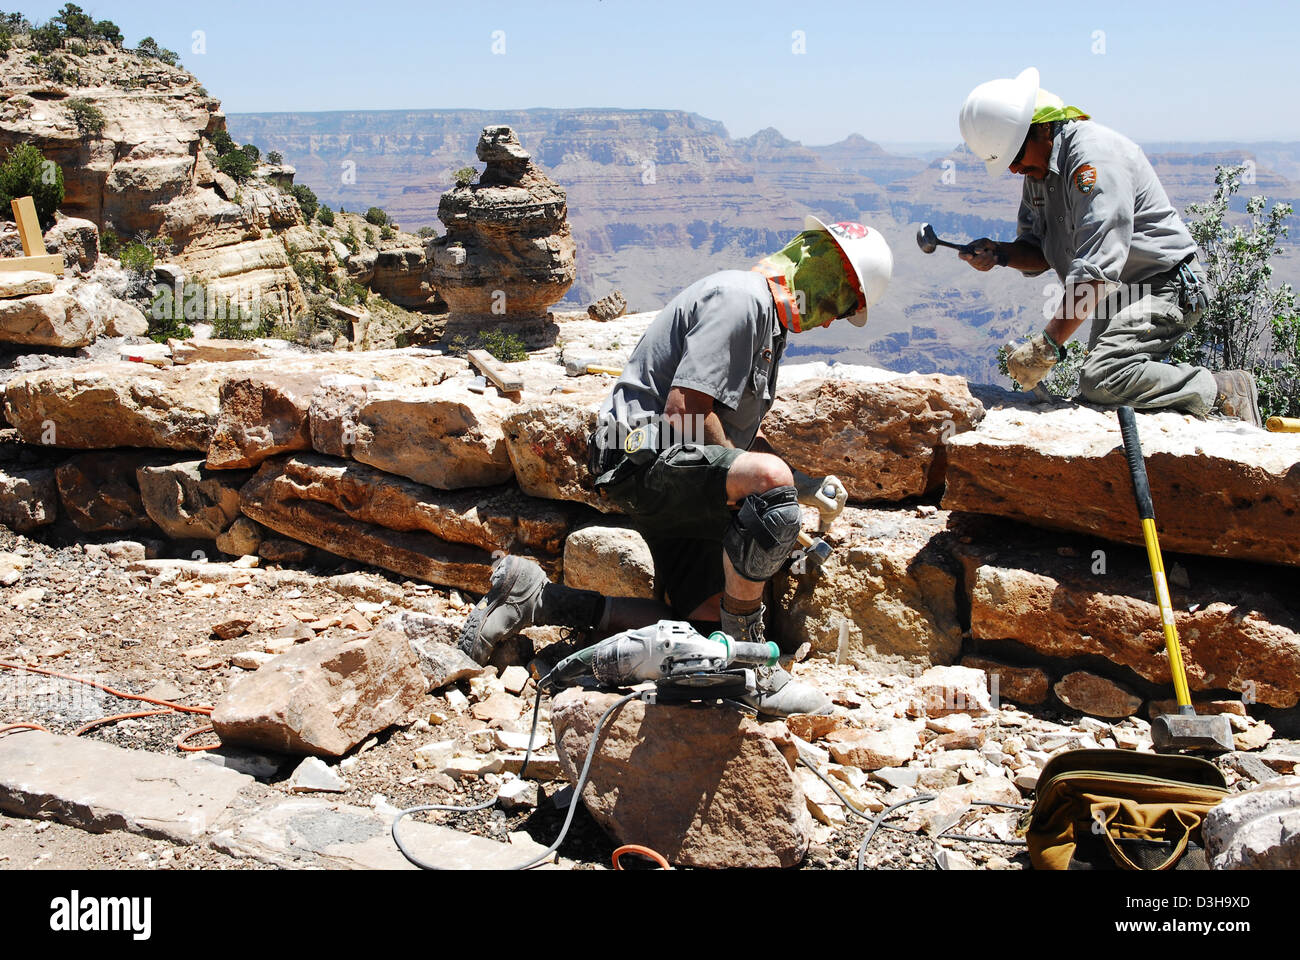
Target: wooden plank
{"x":50,"y":263}
{"x":29,"y":226}
{"x":495,"y":371}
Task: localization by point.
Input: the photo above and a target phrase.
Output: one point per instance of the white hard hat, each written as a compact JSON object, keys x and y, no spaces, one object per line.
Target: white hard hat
{"x":996,"y":116}
{"x":868,"y":254}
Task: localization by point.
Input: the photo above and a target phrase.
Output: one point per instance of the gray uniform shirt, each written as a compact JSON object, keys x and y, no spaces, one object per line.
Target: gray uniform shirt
{"x":1101,"y":213}
{"x":720,"y":336}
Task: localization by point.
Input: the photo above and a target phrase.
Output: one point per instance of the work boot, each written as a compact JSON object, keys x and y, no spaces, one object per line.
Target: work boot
{"x":743,"y":627}
{"x":521,"y":595}
{"x":781,"y":695}
{"x":1238,"y":396}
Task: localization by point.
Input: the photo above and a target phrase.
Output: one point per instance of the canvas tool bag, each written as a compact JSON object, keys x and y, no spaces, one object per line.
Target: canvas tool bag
{"x":1121,"y":810}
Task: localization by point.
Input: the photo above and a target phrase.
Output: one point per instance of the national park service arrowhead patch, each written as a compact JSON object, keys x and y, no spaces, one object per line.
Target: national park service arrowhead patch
{"x":1085,"y":178}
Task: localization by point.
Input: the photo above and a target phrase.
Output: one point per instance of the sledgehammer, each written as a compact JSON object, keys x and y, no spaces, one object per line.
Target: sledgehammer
{"x":578,"y":368}
{"x":1183,"y":730}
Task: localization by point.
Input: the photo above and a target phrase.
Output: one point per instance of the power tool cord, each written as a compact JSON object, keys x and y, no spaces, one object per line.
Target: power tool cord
{"x":878,"y":821}
{"x":573,"y":803}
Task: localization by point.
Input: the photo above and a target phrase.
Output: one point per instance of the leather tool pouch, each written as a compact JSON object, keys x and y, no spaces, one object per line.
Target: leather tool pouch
{"x":1121,"y":810}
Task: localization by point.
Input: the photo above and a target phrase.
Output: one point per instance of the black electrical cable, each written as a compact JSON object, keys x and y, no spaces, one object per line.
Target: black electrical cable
{"x":573,"y":803}
{"x":877,"y":822}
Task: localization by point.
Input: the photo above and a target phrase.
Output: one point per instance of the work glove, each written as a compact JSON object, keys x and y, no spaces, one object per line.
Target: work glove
{"x":1031,"y":361}
{"x":827,"y":494}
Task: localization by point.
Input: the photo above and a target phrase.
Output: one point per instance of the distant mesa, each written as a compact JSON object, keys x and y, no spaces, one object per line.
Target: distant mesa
{"x":508,"y":255}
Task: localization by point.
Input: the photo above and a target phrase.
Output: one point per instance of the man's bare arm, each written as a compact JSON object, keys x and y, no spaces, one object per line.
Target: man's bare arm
{"x":1079,"y":303}
{"x":1021,"y":255}
{"x":691,"y":414}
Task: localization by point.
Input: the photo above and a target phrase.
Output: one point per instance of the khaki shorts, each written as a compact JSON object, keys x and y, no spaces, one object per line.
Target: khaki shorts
{"x":678,"y":501}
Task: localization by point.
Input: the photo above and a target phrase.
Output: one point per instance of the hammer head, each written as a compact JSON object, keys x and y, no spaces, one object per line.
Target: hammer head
{"x":576,"y":368}
{"x":1187,"y":731}
{"x":817,"y":552}
{"x":927,"y":239}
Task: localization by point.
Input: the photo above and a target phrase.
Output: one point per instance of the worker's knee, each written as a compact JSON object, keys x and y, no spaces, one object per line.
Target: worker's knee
{"x":763,"y":532}
{"x":755,"y":473}
{"x":1101,"y":383}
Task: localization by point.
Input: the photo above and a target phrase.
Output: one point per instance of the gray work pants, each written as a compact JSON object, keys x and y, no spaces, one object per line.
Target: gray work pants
{"x":1132,"y":334}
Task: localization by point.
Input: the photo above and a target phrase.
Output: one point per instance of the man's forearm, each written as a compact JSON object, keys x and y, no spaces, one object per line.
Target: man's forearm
{"x":1077,"y":305}
{"x":1024,"y":256}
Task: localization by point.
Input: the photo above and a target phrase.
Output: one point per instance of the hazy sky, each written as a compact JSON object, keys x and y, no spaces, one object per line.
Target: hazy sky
{"x":891,"y":71}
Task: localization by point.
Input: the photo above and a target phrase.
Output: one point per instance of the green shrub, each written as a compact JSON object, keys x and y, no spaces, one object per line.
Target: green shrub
{"x":427,"y":233}
{"x":137,"y":259}
{"x":325,"y":215}
{"x":88,"y":117}
{"x":26,"y":172}
{"x":350,"y":240}
{"x":109,"y":243}
{"x":237,"y":165}
{"x":252,"y":152}
{"x":275,"y":158}
{"x":6,"y":40}
{"x":370,"y":237}
{"x":386,"y":232}
{"x":465,"y":176}
{"x":223,"y":143}
{"x":506,"y":347}
{"x":376,"y":216}
{"x":56,"y":68}
{"x":149,"y":48}
{"x":75,"y":22}
{"x":109,"y":31}
{"x":46,"y":38}
{"x":1249,"y":324}
{"x":78,"y":49}
{"x":307,"y":200}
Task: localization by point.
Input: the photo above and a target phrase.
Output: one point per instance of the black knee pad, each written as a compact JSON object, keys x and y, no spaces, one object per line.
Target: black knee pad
{"x":763,"y":533}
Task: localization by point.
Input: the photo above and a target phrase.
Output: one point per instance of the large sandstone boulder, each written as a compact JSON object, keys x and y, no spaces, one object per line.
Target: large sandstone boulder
{"x":884,"y":439}
{"x":613,"y":561}
{"x":400,"y":275}
{"x":356,"y":511}
{"x":1256,"y":830}
{"x":24,"y":283}
{"x":100,"y":492}
{"x":547,"y":444}
{"x":47,"y":320}
{"x":260,"y":417}
{"x":1239,"y":630}
{"x":890,"y":582}
{"x":77,"y":241}
{"x":105,"y":405}
{"x":703,"y":786}
{"x":508,"y":253}
{"x":323,"y":697}
{"x":1220,"y":488}
{"x":444,"y":436}
{"x":29,"y":498}
{"x":188,"y":501}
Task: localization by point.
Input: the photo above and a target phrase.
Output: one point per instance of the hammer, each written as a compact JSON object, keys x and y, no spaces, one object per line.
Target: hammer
{"x":929,"y":241}
{"x":578,"y":368}
{"x":815,"y":551}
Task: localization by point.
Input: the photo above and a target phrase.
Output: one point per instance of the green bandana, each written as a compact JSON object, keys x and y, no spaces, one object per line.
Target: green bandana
{"x":813,"y":269}
{"x":1050,"y":108}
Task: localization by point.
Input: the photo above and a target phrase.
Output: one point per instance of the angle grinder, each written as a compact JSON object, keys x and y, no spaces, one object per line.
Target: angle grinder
{"x":682,"y":663}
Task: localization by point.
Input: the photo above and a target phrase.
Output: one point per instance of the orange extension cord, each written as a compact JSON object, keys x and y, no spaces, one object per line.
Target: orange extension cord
{"x":170,"y":708}
{"x":640,"y":851}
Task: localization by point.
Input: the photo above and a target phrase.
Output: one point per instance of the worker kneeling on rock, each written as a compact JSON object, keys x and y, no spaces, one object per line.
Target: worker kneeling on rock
{"x":678,"y":448}
{"x":1093,"y":210}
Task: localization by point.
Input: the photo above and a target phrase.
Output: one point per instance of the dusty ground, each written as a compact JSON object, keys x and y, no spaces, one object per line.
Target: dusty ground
{"x":75,"y":609}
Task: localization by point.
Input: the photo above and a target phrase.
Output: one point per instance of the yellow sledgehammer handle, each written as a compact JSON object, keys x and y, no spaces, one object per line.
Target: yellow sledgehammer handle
{"x":1146,"y":511}
{"x":1282,"y":424}
{"x":1166,"y":612}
